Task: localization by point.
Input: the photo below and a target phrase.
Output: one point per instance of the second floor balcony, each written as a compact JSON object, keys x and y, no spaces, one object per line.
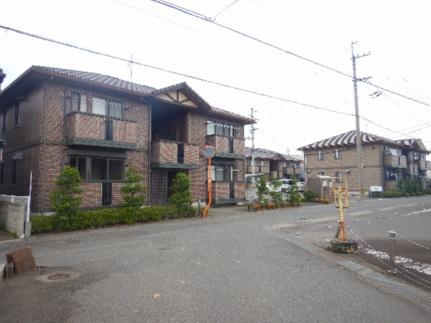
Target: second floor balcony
{"x":95,"y":130}
{"x":395,"y":161}
{"x":227,"y":147}
{"x":424,"y":165}
{"x":174,"y":154}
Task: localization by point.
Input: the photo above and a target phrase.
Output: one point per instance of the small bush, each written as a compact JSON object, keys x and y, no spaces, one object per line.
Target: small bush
{"x":65,"y":198}
{"x":392,"y":194}
{"x":133,"y":190}
{"x":309,"y":196}
{"x":262,"y":189}
{"x":294,"y":195}
{"x":41,"y":224}
{"x":276,"y":196}
{"x":181,"y":197}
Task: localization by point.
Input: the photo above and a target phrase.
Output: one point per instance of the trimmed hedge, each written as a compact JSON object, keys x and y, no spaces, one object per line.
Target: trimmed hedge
{"x":104,"y":217}
{"x":392,"y":194}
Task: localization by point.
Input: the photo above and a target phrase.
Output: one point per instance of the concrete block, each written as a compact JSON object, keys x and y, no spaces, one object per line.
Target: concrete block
{"x":22,"y":260}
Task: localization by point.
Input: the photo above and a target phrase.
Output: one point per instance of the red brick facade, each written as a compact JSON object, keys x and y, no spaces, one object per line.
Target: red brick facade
{"x":48,"y":134}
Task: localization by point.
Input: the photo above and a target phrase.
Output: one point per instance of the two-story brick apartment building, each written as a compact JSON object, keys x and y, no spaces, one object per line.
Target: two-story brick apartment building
{"x":101,"y":125}
{"x":274,"y":164}
{"x":385,"y":161}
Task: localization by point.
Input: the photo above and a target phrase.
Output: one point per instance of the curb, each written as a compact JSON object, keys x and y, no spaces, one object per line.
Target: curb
{"x":391,"y":285}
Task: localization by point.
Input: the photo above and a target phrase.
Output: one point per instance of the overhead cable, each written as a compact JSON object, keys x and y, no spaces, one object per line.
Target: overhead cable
{"x":288,"y":52}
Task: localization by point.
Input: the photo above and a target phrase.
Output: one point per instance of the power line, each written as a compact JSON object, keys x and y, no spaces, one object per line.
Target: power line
{"x":162,"y":69}
{"x":127,"y":60}
{"x":224,"y":9}
{"x":288,"y":52}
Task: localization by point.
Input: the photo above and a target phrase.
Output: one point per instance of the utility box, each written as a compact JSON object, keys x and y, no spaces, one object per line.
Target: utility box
{"x":375,"y":191}
{"x":321,"y":185}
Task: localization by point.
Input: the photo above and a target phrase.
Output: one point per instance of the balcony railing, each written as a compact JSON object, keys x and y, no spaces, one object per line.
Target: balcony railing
{"x":424,"y":165}
{"x":174,"y":154}
{"x":395,"y":161}
{"x":95,"y":130}
{"x":228,"y":147}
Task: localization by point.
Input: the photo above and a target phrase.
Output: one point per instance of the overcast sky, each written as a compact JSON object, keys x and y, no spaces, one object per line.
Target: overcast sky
{"x":396,"y":32}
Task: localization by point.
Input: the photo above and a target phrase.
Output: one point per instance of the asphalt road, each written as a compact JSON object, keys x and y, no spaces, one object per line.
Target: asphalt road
{"x":233,"y":267}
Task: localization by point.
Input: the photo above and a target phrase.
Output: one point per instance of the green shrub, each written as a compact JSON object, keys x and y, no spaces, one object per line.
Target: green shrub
{"x":42,"y":224}
{"x":181,"y":197}
{"x":262,"y":189}
{"x":392,"y":194}
{"x":65,"y":198}
{"x":97,"y":218}
{"x":275,"y":196}
{"x":409,"y":186}
{"x":294,"y":196}
{"x":133,"y":191}
{"x":309,"y":196}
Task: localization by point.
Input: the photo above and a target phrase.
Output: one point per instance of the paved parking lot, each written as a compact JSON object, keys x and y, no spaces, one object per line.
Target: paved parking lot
{"x":235,"y":266}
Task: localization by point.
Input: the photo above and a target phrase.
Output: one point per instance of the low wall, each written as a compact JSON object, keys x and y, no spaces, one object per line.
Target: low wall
{"x":12,"y":214}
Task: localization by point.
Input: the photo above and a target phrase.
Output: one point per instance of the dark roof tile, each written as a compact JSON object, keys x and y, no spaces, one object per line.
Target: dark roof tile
{"x":349,"y":139}
{"x":99,"y":79}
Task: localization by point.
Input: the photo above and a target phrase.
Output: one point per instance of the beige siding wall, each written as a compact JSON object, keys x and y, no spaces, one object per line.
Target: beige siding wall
{"x":372,"y":160}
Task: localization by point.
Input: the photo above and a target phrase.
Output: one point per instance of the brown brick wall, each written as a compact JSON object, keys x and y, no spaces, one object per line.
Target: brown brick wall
{"x":198,"y":181}
{"x":240,"y":191}
{"x":191,"y":154}
{"x":41,"y":136}
{"x":220,"y":191}
{"x":89,"y":126}
{"x":372,"y":160}
{"x":164,"y":151}
{"x":125,"y":131}
{"x":86,"y":126}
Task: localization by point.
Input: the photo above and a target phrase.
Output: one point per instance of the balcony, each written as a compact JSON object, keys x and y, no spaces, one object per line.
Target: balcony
{"x":86,"y":129}
{"x":174,"y":154}
{"x":291,"y":170}
{"x":227,"y":147}
{"x":395,"y":161}
{"x":424,"y":165}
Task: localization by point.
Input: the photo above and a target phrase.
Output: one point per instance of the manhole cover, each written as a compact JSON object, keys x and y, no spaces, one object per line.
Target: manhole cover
{"x":57,"y":276}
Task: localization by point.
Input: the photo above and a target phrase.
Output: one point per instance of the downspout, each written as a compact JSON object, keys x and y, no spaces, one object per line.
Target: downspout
{"x":150,"y":109}
{"x":42,"y":151}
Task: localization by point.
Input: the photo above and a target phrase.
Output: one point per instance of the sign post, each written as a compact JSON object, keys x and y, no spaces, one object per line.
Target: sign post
{"x":208,"y":153}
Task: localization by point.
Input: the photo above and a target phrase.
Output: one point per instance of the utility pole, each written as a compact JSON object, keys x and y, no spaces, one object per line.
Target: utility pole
{"x":252,"y":130}
{"x":358,"y":128}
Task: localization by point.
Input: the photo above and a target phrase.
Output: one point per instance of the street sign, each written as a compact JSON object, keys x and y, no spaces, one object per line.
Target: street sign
{"x":209,"y":151}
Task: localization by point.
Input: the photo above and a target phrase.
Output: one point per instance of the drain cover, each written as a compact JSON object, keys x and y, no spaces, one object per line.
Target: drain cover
{"x":57,"y":276}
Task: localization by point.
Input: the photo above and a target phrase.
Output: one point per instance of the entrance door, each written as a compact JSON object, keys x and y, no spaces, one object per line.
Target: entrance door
{"x":231,"y":182}
{"x":106,"y":193}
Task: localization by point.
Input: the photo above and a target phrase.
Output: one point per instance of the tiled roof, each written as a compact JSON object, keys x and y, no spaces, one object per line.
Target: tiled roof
{"x":228,"y":114}
{"x":114,"y":83}
{"x":100,"y":79}
{"x":413,"y":143}
{"x":268,"y":154}
{"x":349,"y":139}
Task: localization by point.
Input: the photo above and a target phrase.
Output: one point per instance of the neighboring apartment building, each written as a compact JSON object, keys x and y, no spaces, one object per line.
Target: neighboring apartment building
{"x":385,"y":161}
{"x":101,"y":125}
{"x":274,"y":164}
